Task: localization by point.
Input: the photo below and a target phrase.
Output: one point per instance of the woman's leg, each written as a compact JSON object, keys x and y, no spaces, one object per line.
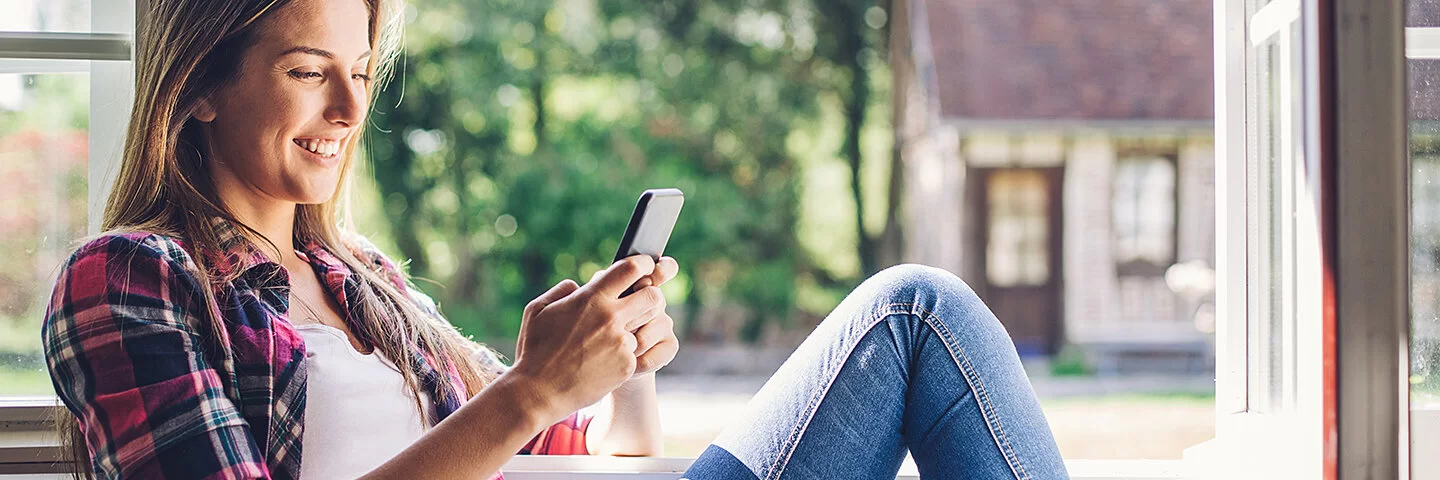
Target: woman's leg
{"x":912,"y":359}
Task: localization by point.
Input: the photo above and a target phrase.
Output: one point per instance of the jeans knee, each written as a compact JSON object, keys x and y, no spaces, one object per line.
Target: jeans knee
{"x":931,"y":289}
{"x":912,"y":278}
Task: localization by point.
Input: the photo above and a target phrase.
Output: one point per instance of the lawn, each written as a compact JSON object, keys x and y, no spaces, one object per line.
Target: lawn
{"x":24,"y":382}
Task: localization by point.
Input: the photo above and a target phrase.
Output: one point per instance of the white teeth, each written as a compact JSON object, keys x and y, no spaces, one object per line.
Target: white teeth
{"x":321,"y":147}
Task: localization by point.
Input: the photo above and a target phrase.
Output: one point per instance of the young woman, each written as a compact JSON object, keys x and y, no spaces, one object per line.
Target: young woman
{"x":228,"y":325}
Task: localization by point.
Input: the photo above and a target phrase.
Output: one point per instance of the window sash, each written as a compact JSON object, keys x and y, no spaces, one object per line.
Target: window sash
{"x":1260,"y":434}
{"x":65,"y":46}
{"x":1351,"y":330}
{"x":99,"y":54}
{"x":1422,"y":43}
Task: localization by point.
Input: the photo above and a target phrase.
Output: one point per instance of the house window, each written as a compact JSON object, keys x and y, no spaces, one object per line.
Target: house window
{"x":64,"y":103}
{"x":43,"y":157}
{"x":1017,"y":244}
{"x":59,"y":61}
{"x":1143,"y":215}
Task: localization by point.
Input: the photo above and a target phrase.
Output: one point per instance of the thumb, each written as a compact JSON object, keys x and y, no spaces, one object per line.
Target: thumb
{"x":554,"y":294}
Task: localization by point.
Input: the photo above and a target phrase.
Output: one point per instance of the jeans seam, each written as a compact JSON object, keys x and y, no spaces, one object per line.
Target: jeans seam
{"x":962,"y":362}
{"x":793,"y":440}
{"x":977,"y":386}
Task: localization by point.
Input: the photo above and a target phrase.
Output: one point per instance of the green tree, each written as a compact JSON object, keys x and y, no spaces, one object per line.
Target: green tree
{"x":518,"y":134}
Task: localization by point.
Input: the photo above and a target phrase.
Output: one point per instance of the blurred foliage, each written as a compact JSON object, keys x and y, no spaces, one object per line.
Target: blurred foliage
{"x":511,"y":146}
{"x":508,"y":153}
{"x":1071,"y":361}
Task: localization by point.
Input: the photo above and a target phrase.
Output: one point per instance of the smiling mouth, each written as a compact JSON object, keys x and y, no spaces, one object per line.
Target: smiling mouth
{"x":324,"y":148}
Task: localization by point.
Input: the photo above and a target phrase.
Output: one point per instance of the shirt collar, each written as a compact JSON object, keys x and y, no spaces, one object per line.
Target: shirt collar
{"x":236,"y":253}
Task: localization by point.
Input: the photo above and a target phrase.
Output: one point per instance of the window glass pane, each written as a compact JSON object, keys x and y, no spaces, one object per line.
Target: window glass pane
{"x":1424,"y":79}
{"x":1144,"y":215}
{"x":44,"y":143}
{"x":1424,"y":227}
{"x":1422,"y":13}
{"x":45,"y":15}
{"x":1273,"y":156}
{"x":1017,"y":251}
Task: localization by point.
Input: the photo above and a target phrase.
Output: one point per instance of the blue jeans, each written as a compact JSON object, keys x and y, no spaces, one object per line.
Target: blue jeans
{"x":911,"y":360}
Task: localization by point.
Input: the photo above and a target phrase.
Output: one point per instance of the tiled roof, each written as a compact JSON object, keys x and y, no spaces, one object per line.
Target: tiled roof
{"x":1073,"y":59}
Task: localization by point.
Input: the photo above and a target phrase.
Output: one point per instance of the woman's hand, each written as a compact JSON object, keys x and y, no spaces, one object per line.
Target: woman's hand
{"x":577,"y":343}
{"x":664,"y":272}
{"x":655,"y":341}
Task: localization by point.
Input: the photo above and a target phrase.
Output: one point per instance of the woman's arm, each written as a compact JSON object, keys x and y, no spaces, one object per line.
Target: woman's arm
{"x":125,"y":356}
{"x":628,"y":421}
{"x":573,"y":348}
{"x":481,"y":436}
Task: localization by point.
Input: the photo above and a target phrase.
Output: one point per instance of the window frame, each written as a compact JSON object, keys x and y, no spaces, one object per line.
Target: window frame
{"x":1350,"y":416}
{"x":110,"y":104}
{"x":1246,"y":435}
{"x":1421,"y":43}
{"x":1368,"y":154}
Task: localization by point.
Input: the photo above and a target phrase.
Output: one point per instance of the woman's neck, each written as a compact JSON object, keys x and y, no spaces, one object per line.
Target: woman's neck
{"x":274,"y":220}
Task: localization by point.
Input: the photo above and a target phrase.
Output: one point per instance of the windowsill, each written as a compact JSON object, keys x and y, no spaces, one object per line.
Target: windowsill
{"x":1424,"y":437}
{"x":669,"y":468}
{"x":596,"y":468}
{"x":28,"y":445}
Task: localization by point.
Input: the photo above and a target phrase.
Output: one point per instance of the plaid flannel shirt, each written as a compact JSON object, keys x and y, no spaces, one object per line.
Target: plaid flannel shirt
{"x":159,"y":395}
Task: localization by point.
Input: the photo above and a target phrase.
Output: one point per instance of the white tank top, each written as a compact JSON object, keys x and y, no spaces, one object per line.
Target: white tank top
{"x":358,"y":412}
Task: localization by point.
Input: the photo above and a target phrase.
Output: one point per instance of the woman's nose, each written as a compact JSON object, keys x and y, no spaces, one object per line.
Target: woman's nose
{"x":347,"y":103}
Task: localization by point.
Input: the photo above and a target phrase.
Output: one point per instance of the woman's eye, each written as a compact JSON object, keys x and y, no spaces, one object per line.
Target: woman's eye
{"x":304,"y":75}
{"x":361,"y":77}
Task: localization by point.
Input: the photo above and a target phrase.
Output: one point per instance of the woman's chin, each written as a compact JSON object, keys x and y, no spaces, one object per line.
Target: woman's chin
{"x":316,"y":194}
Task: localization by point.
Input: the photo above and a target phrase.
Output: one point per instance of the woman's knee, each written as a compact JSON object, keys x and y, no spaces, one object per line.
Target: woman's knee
{"x":927,"y":290}
{"x":915,"y":280}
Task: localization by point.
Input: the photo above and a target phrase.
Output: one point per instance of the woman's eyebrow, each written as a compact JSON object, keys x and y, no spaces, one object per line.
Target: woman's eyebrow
{"x":318,"y":52}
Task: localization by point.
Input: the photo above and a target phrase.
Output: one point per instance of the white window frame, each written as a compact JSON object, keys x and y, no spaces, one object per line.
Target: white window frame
{"x":1372,"y":243}
{"x":1347,"y":420}
{"x":1246,"y":437}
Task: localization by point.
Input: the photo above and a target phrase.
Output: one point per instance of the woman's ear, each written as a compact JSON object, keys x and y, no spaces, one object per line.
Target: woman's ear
{"x":204,"y":111}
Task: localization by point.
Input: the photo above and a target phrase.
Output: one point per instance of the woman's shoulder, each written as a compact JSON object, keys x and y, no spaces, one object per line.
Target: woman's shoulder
{"x":365,"y":250}
{"x":361,"y":247}
{"x":131,"y":247}
{"x":120,"y":268}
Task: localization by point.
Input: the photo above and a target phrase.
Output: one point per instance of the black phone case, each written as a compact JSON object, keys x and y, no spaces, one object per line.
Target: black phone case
{"x":654,"y":239}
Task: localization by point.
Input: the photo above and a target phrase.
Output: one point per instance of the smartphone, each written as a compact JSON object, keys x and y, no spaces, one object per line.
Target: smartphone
{"x":650,"y":224}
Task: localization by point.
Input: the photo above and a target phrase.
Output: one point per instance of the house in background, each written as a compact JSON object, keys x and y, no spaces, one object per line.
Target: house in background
{"x":1059,"y":156}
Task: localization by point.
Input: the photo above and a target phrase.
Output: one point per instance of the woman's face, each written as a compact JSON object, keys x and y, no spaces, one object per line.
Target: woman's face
{"x":276,"y":131}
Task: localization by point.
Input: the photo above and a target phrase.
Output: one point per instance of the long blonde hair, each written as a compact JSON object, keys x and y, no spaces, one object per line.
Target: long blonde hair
{"x":186,"y":50}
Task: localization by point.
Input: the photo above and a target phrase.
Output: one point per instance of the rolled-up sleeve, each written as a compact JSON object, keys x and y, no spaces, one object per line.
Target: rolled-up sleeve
{"x":125,"y":357}
{"x":564,"y":438}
